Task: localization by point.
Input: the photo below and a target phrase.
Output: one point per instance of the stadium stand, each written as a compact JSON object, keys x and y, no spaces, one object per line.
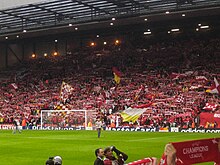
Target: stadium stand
{"x":171,"y":75}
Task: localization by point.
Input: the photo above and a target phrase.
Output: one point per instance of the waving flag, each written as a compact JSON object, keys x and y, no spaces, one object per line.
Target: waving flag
{"x":179,"y":99}
{"x":215,"y":88}
{"x":65,"y":92}
{"x":138,"y":93}
{"x":210,"y":106}
{"x":14,"y":86}
{"x":133,"y":113}
{"x":117,"y":75}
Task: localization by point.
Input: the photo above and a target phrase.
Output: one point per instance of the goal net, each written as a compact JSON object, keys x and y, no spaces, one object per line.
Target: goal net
{"x":67,"y":119}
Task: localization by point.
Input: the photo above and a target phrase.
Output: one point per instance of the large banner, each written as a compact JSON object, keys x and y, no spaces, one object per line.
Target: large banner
{"x":210,"y":118}
{"x":131,"y":129}
{"x":127,"y":129}
{"x":197,"y":151}
{"x":38,"y":127}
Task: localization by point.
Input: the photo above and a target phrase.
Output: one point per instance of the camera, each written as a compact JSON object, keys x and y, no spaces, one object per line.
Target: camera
{"x":112,"y":148}
{"x":57,"y":160}
{"x":50,"y":161}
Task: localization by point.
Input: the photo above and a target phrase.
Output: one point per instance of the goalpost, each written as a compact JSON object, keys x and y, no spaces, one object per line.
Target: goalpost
{"x":67,"y":118}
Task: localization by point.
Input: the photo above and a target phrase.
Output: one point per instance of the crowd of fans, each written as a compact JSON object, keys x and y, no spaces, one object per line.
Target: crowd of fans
{"x":171,"y":76}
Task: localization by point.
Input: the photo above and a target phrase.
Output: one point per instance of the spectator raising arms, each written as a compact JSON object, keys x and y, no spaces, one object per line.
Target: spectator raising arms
{"x":110,"y":159}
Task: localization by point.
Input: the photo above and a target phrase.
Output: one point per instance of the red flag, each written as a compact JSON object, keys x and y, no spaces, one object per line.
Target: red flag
{"x":117,"y":75}
{"x":207,"y":117}
{"x":215,"y":88}
{"x":145,"y":161}
{"x":210,"y":106}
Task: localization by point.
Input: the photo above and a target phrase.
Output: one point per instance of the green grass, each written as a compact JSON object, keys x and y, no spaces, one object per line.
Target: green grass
{"x":77,"y":147}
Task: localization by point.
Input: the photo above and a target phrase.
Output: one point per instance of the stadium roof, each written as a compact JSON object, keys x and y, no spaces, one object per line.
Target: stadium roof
{"x":5,"y":4}
{"x":56,"y":13}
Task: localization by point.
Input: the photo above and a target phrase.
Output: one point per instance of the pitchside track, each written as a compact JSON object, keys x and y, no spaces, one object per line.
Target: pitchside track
{"x":77,"y":147}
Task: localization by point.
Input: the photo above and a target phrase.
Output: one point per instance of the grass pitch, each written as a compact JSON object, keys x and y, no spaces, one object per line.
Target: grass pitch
{"x":77,"y":147}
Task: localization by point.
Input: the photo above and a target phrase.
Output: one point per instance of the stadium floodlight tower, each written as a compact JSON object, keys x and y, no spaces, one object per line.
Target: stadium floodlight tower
{"x":66,"y":118}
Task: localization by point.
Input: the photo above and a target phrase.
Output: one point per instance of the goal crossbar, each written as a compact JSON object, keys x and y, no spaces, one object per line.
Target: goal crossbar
{"x":54,"y":111}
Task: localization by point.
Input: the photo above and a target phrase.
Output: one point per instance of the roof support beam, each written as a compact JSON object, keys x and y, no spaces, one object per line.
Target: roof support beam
{"x":122,"y":5}
{"x":56,"y":14}
{"x":91,"y":6}
{"x":22,"y":18}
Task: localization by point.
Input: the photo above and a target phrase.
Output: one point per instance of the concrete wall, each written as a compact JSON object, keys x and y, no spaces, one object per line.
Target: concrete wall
{"x":2,"y":56}
{"x":10,"y":50}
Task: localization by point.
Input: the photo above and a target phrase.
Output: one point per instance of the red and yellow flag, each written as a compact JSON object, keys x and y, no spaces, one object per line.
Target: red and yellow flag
{"x":117,"y":75}
{"x":215,"y":88}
